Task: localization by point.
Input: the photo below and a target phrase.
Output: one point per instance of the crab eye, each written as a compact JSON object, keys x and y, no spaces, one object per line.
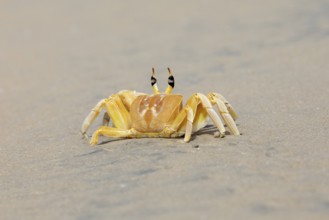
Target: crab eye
{"x":171,"y":80}
{"x":154,"y":83}
{"x":153,"y":79}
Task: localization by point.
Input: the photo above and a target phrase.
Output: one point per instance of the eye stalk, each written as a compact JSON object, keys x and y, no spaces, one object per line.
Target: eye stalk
{"x":154,"y":83}
{"x":171,"y":82}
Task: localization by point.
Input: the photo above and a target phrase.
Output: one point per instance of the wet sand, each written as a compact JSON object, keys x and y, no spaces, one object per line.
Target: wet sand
{"x":268,"y":58}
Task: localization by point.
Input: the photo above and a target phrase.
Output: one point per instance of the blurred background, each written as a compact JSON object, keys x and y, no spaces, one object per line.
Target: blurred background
{"x":104,"y":41}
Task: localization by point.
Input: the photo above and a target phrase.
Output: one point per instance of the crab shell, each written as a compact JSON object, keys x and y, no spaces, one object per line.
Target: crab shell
{"x":154,"y":113}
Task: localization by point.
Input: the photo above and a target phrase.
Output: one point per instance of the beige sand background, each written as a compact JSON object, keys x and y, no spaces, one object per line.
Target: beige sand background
{"x":269,"y":58}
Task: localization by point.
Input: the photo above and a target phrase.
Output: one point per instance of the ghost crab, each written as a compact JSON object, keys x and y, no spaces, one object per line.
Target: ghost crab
{"x":137,"y":114}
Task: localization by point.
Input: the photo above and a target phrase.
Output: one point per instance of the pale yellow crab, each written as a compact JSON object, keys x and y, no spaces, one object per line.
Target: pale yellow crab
{"x":137,"y":114}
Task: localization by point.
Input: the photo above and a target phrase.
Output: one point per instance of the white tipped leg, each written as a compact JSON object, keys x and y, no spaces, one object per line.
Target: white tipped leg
{"x":115,"y":109}
{"x":189,"y":124}
{"x":226,"y":111}
{"x":229,"y":107}
{"x":227,"y":117}
{"x":212,"y":114}
{"x":191,"y":117}
{"x":91,"y":117}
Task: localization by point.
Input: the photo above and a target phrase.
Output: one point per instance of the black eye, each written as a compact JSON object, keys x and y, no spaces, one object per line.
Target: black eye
{"x":153,"y":79}
{"x":171,"y":80}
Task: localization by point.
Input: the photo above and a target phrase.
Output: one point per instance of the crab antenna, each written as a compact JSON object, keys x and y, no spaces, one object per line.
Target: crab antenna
{"x":154,"y":83}
{"x":171,"y":82}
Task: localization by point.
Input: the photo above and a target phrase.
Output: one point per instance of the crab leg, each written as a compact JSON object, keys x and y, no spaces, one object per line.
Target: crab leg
{"x":188,"y":114}
{"x":227,"y":117}
{"x":212,"y":114}
{"x":91,"y":117}
{"x":224,"y":110}
{"x":189,"y":124}
{"x":111,"y":132}
{"x":118,"y":112}
{"x":114,"y":108}
{"x":227,"y":104}
{"x":184,"y":120}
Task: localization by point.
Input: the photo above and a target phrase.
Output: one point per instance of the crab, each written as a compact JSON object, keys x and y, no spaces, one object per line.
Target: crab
{"x":136,"y":115}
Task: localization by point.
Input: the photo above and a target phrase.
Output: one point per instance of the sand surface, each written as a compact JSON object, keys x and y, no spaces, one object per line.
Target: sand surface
{"x":270,"y":59}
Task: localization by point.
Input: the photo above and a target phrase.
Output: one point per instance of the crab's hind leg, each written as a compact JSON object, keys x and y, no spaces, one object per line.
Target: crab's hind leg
{"x":111,"y":132}
{"x":226,"y":111}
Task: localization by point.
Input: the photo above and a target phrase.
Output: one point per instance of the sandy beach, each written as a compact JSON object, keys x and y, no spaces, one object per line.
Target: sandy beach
{"x":270,"y":59}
